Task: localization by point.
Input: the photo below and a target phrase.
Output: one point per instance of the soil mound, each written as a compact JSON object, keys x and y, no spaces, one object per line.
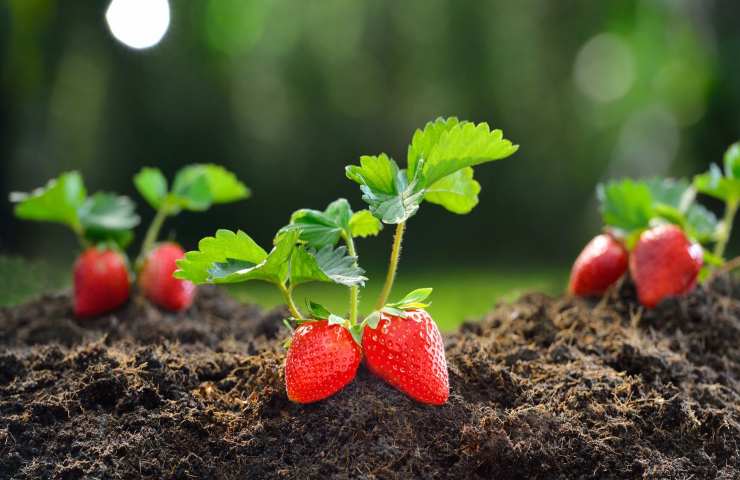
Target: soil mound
{"x":540,"y":388}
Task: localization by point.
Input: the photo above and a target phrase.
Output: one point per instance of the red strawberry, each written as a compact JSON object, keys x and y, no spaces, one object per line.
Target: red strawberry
{"x":409,"y":354}
{"x":601,"y":263}
{"x":158,"y":284}
{"x":664,"y":263}
{"x":101,"y":282}
{"x":322,"y":360}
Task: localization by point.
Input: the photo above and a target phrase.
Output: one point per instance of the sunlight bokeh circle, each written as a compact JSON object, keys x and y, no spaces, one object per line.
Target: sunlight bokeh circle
{"x":138,"y":24}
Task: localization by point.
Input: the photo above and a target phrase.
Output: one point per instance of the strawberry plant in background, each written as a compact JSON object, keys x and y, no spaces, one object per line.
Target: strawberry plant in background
{"x":195,"y":188}
{"x":400,"y":341}
{"x":104,"y":224}
{"x":657,"y":230}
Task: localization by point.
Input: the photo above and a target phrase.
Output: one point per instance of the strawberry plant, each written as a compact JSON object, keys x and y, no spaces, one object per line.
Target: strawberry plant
{"x":195,"y":188}
{"x":103,"y":223}
{"x":724,"y":186}
{"x":657,"y":231}
{"x":400,"y":341}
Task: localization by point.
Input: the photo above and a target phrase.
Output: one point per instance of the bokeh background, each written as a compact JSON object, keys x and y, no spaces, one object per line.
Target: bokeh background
{"x":286,"y":93}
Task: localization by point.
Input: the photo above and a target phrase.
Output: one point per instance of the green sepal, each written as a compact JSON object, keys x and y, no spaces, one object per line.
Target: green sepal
{"x":412,"y":300}
{"x":712,"y":259}
{"x":372,"y":320}
{"x":356,"y":331}
{"x":317,"y":311}
{"x":337,"y":320}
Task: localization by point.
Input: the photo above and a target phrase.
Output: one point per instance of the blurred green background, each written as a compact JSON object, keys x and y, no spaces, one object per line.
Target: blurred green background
{"x":286,"y":93}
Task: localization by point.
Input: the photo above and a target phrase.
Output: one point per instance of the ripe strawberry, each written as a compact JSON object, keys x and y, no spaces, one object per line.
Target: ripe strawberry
{"x":322,"y":360}
{"x":601,"y":263}
{"x":158,"y":284}
{"x":409,"y":354}
{"x":101,"y":282}
{"x":664,"y":263}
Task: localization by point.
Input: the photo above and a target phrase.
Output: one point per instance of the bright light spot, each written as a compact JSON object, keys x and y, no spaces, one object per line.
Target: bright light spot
{"x":605,"y":68}
{"x":138,"y":23}
{"x":648,"y":143}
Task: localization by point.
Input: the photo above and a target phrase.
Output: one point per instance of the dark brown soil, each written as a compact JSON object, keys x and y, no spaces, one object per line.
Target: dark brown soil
{"x":541,"y":388}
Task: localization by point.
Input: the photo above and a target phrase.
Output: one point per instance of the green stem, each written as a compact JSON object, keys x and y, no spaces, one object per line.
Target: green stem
{"x":152,"y":233}
{"x":392,"y":266}
{"x":80,"y":233}
{"x":724,"y":237}
{"x":288,"y":297}
{"x":354,"y":291}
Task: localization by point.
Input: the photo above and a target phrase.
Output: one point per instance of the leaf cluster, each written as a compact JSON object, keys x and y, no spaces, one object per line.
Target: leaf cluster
{"x":99,"y":218}
{"x":630,"y":206}
{"x":195,"y":188}
{"x":439,"y":170}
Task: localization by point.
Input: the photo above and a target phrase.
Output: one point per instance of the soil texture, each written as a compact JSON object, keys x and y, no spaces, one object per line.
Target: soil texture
{"x":550,"y":388}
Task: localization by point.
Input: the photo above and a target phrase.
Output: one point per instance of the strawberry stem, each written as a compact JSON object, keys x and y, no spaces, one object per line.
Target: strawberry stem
{"x":152,"y":233}
{"x":354,"y":291}
{"x":392,"y":266}
{"x":726,"y":230}
{"x":288,"y":297}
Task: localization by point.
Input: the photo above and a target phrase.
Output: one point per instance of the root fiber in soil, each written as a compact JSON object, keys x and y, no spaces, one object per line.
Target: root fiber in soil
{"x":540,"y":388}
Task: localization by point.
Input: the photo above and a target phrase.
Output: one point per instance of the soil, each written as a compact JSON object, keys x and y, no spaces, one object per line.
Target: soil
{"x":540,"y":388}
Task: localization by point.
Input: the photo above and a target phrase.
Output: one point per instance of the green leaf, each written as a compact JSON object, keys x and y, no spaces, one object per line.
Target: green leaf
{"x":457,"y":192}
{"x":108,"y":211}
{"x":190,"y":191}
{"x":318,"y":228}
{"x":225,"y":245}
{"x":667,"y":191}
{"x":364,"y":224}
{"x":424,"y":141}
{"x":714,"y":184}
{"x":58,"y":201}
{"x":317,"y":311}
{"x":447,"y":145}
{"x":274,"y":268}
{"x":223,"y":185}
{"x":108,"y":217}
{"x":152,"y":185}
{"x":377,"y":173}
{"x":625,"y":205}
{"x":392,"y":198}
{"x":701,"y":224}
{"x":329,"y":264}
{"x":732,"y":161}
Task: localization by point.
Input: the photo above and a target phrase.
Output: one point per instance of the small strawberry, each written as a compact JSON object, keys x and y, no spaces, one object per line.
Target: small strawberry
{"x":322,"y":359}
{"x":601,"y":263}
{"x":664,"y":263}
{"x":409,"y":354}
{"x":101,"y":282}
{"x":158,"y":284}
